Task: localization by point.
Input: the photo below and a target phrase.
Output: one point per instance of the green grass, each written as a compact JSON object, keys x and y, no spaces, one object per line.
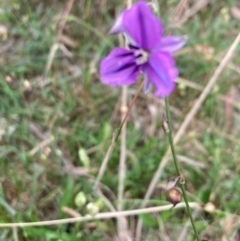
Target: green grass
{"x":69,"y":103}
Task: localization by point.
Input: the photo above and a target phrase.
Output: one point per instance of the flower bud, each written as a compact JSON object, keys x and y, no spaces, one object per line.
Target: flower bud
{"x":80,"y":199}
{"x":92,"y":208}
{"x":174,"y":196}
{"x":210,"y":207}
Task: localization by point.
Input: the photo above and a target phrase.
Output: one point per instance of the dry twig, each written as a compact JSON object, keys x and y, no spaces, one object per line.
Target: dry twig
{"x":200,"y":4}
{"x":15,"y":233}
{"x":100,"y":216}
{"x":123,"y":232}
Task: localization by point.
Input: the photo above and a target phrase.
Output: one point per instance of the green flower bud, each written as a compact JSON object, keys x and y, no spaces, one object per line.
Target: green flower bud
{"x":92,"y":208}
{"x":80,"y":199}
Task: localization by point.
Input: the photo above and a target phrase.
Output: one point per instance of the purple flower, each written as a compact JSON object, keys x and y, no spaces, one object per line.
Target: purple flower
{"x":149,"y":52}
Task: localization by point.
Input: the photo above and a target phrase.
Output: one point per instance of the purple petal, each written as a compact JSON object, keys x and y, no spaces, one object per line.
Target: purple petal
{"x":172,"y":43}
{"x":140,"y":24}
{"x":147,"y":84}
{"x":118,"y":25}
{"x":119,"y":68}
{"x":161,"y":71}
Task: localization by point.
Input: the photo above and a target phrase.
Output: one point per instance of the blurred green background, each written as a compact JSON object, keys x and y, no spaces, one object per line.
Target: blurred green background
{"x":57,"y":120}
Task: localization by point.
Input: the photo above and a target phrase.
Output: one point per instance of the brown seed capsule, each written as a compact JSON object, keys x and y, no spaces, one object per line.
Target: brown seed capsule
{"x":174,"y":196}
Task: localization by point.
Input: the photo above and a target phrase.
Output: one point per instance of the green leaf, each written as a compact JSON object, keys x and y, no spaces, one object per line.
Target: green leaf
{"x":84,"y":158}
{"x":149,"y":220}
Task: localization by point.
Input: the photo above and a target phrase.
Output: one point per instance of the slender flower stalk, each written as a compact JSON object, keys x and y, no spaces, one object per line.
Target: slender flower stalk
{"x":182,"y":181}
{"x":115,"y":138}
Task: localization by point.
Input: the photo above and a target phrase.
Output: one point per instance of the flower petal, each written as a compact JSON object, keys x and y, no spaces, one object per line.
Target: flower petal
{"x":118,"y":25}
{"x":119,"y":68}
{"x":161,"y":71}
{"x":140,"y":24}
{"x":172,"y":43}
{"x":147,"y":84}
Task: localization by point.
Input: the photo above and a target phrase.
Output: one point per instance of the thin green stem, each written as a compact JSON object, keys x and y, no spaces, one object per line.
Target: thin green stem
{"x":182,"y":182}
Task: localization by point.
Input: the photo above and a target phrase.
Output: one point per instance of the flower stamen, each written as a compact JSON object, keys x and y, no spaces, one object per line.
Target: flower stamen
{"x":141,"y":56}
